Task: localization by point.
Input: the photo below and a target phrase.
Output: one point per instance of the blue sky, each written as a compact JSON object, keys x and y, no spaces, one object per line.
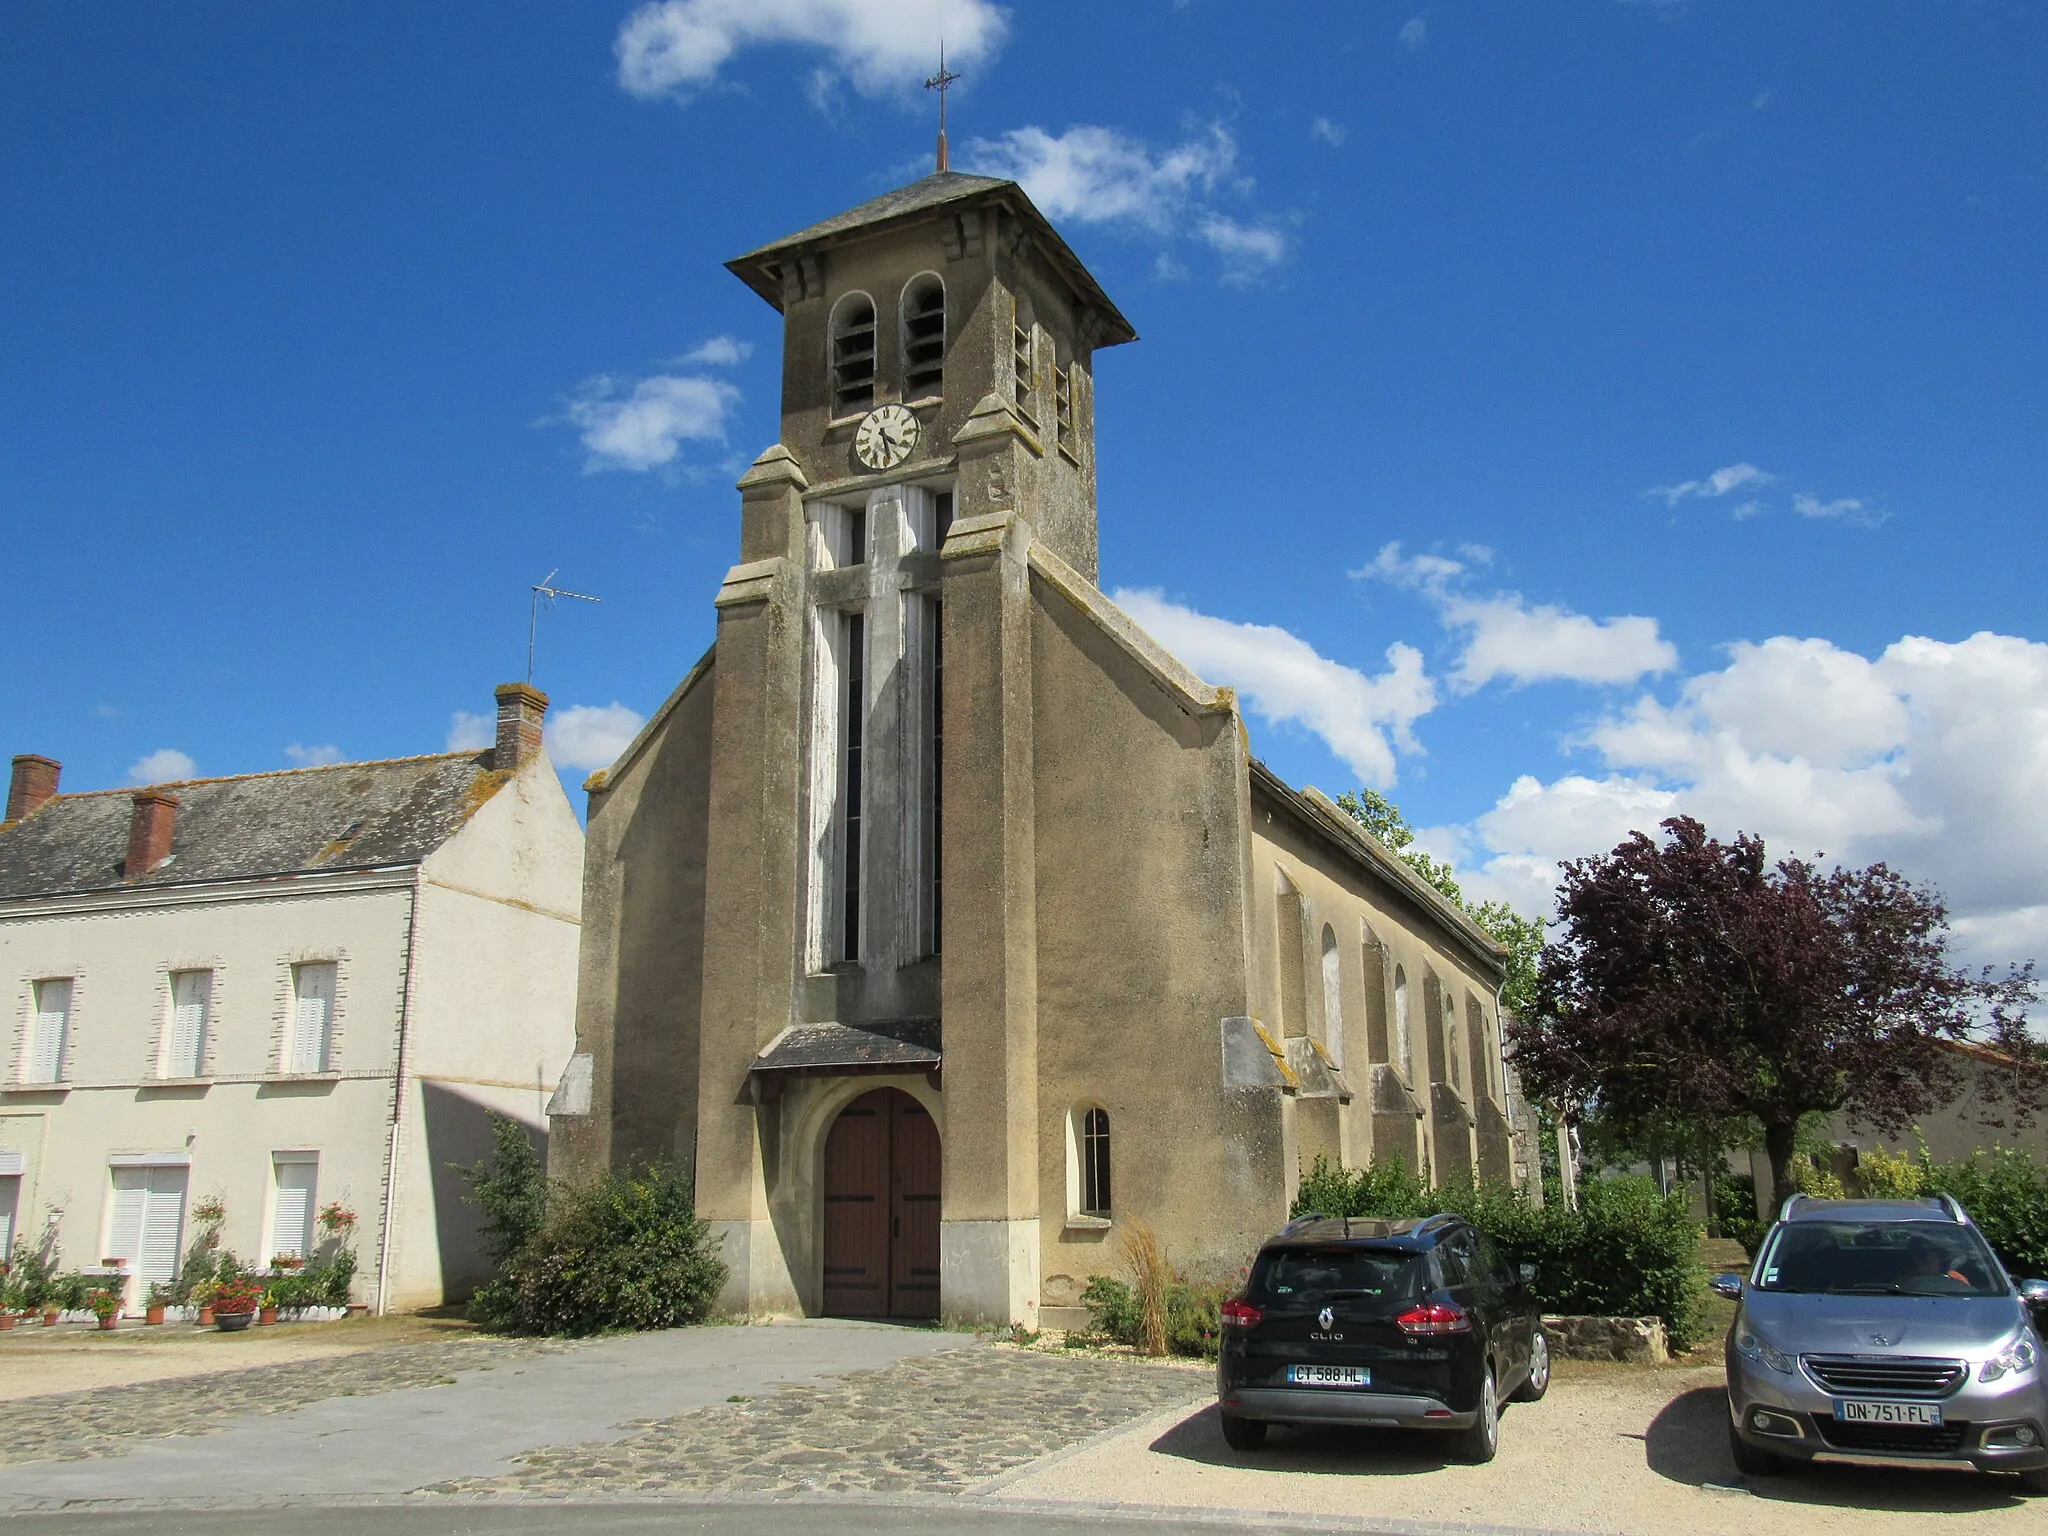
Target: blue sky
{"x":1558,"y":414}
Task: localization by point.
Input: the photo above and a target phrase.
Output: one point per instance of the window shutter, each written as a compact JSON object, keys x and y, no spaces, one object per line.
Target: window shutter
{"x":53,"y":1023}
{"x":312,"y":1016}
{"x":291,"y":1228}
{"x":163,"y":1217}
{"x":10,"y":1205}
{"x":191,"y":993}
{"x":131,"y":1199}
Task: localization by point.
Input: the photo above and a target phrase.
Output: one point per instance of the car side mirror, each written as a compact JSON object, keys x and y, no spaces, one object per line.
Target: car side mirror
{"x":1726,"y":1285}
{"x":1526,"y":1273}
{"x":2034,"y":1292}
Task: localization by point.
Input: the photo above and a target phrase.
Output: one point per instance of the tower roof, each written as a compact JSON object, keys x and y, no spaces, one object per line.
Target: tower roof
{"x":761,"y":270}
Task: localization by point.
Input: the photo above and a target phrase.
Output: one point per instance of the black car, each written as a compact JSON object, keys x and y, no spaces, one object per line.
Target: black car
{"x":1389,"y":1324}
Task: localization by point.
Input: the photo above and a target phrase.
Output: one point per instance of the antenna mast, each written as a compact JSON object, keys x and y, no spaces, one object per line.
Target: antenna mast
{"x":544,"y":588}
{"x":939,"y":83}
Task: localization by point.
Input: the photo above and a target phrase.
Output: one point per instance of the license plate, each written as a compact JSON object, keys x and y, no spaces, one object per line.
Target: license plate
{"x":1328,"y":1376}
{"x":1919,"y":1415}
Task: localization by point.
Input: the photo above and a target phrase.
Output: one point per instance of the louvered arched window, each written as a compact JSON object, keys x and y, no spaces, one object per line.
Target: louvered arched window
{"x":924,"y":337}
{"x":853,"y":354}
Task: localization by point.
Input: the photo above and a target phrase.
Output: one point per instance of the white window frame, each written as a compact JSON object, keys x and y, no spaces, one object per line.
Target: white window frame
{"x":272,"y":1205}
{"x":190,"y":1063}
{"x":47,"y":1042}
{"x":1078,"y":1215}
{"x":295,"y":1061}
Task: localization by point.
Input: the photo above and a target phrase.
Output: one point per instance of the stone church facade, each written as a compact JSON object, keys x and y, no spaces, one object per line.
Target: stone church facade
{"x":940,"y":919}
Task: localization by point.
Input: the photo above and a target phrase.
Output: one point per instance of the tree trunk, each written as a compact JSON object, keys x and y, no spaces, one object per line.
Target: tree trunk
{"x":1779,"y":1137}
{"x":1711,"y":1159}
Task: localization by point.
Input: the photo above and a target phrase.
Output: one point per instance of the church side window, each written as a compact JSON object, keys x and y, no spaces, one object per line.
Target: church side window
{"x":924,"y":337}
{"x":852,"y":734}
{"x":1091,"y":1145}
{"x":1402,"y":1057}
{"x":1333,"y":997}
{"x":853,"y":354}
{"x":1290,"y":916}
{"x":1065,"y":437}
{"x":1023,"y":361}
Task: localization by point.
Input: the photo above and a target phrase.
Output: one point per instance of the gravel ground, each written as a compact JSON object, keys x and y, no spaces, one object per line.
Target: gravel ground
{"x":1611,"y":1449}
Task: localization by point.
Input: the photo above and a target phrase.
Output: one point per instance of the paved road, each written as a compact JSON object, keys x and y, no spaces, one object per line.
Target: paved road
{"x":391,"y":1441}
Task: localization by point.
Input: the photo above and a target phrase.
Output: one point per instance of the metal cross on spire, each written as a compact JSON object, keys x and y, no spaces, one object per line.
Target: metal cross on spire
{"x":939,"y":83}
{"x":545,"y":588}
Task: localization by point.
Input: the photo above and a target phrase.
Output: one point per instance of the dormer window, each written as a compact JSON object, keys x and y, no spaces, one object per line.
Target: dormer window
{"x":924,"y":337}
{"x":853,"y":354}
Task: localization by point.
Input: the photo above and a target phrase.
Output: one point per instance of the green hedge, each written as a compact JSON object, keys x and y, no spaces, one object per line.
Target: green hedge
{"x":1193,"y":1315}
{"x":2006,"y":1193}
{"x":1627,"y":1251}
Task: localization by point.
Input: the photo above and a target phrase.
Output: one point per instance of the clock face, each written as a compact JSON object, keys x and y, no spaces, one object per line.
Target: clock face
{"x":886,"y":437}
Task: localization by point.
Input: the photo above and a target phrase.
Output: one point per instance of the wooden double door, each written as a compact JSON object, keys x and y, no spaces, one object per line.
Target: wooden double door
{"x":882,"y":1209}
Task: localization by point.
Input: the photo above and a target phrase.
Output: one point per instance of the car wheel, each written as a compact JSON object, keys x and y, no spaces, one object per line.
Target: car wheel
{"x":1478,"y":1444}
{"x":1750,"y":1461}
{"x":1243,"y":1434}
{"x":1538,"y":1380}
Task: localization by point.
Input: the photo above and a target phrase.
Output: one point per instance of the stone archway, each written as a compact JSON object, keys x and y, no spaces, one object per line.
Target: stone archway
{"x":881,"y":1232}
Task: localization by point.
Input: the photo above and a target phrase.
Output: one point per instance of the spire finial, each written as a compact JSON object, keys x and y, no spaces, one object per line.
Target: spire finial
{"x":939,"y":83}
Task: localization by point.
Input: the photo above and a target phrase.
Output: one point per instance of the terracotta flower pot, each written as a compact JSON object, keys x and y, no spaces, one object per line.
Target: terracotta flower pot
{"x":50,"y":1319}
{"x":153,"y":1315}
{"x":267,"y":1316}
{"x":233,"y":1322}
{"x":7,"y":1320}
{"x":109,"y":1324}
{"x":205,"y":1317}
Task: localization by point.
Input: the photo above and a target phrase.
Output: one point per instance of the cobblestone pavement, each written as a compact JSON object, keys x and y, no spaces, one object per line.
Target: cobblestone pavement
{"x":108,"y":1421}
{"x":934,"y":1424}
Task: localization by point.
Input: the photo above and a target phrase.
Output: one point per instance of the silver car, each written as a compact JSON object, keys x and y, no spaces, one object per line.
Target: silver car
{"x":1885,"y":1330}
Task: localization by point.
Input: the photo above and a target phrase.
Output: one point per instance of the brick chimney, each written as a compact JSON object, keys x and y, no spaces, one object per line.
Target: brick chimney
{"x":34,"y":782}
{"x":149,"y":831}
{"x":521,"y":709}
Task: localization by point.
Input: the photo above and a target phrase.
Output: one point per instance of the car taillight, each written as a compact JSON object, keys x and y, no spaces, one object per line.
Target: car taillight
{"x":1433,"y":1317}
{"x":1241,"y":1314}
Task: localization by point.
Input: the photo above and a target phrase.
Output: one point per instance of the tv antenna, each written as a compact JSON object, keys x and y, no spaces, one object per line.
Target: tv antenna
{"x":545,"y":588}
{"x":940,"y":83}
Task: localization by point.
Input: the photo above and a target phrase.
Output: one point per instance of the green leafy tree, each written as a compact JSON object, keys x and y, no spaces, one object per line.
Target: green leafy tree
{"x":511,"y":1189}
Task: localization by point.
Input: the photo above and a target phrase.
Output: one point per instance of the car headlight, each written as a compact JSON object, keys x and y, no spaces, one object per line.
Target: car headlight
{"x":1751,"y":1345}
{"x":2015,"y":1359}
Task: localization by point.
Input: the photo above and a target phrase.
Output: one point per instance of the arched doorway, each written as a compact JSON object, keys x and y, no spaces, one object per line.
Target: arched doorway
{"x":882,"y":1209}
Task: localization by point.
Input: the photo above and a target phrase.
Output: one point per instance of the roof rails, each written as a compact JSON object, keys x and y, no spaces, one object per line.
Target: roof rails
{"x":1791,"y":1202}
{"x":1947,"y":1202}
{"x":1304,"y":1219}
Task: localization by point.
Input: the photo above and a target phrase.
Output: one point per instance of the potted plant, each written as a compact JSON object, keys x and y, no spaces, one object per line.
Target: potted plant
{"x":268,"y":1314}
{"x":67,"y":1293}
{"x":159,"y":1298}
{"x":287,"y":1261}
{"x":202,"y":1299}
{"x":10,"y":1299}
{"x":235,"y":1302}
{"x":105,"y":1304}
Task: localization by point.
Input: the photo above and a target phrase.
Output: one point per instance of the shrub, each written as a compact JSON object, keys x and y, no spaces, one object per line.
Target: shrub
{"x":1112,"y":1309}
{"x":2006,"y":1193}
{"x":1193,"y":1315}
{"x":511,"y":1190}
{"x":28,"y":1277}
{"x":1626,"y":1251}
{"x":1882,"y":1175}
{"x":1151,"y":1279}
{"x":1809,"y":1178}
{"x":625,"y":1251}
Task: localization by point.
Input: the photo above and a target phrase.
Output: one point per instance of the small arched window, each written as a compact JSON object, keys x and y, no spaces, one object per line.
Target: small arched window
{"x":1333,"y":997}
{"x":1401,"y":1057}
{"x":924,"y":337}
{"x":1092,"y":1146}
{"x":853,"y":354}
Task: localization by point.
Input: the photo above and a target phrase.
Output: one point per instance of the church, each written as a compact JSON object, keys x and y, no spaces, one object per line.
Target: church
{"x":940,"y":920}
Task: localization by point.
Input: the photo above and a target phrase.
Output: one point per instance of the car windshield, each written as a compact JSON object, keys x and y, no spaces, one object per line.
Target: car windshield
{"x":1382,"y":1274}
{"x":1880,"y":1258}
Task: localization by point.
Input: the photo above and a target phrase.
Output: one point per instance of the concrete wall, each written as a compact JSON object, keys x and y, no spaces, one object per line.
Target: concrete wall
{"x":230,"y":1122}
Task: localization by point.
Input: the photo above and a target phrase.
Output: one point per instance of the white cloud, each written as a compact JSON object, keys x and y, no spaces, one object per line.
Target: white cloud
{"x":644,"y":426}
{"x":1097,"y":175}
{"x":1282,"y":678}
{"x":470,"y":732}
{"x":1730,"y":477}
{"x":1414,"y":32}
{"x":718,"y":352}
{"x":678,"y":46}
{"x":1932,"y":756}
{"x":313,"y":757}
{"x":162,"y":766}
{"x":1505,"y":636}
{"x":1847,"y":509}
{"x":1330,"y":133}
{"x":592,"y":735}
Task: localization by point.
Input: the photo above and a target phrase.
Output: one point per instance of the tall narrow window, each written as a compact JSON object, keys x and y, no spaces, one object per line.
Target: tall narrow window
{"x":312,"y":1017}
{"x":852,"y":733}
{"x":935,"y":627}
{"x":1023,"y":363}
{"x":924,"y":337}
{"x":1064,"y":436}
{"x":46,"y":1059}
{"x":853,"y":354}
{"x":1333,"y":997}
{"x":942,"y":517}
{"x":191,"y":1002}
{"x":1094,"y":1139}
{"x":854,"y":538}
{"x":293,"y":1180}
{"x":1401,"y":1047}
{"x":147,"y":1221}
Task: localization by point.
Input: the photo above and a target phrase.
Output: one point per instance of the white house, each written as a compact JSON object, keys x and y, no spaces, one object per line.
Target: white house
{"x":280,"y":990}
